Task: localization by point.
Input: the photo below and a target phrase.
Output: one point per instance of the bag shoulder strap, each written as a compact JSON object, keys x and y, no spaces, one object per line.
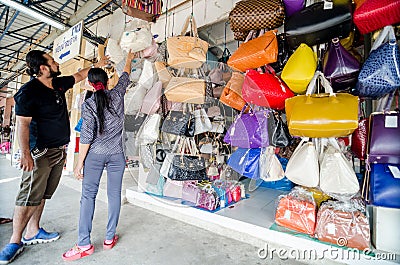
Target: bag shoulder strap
{"x":324,"y":82}
{"x":190,"y":19}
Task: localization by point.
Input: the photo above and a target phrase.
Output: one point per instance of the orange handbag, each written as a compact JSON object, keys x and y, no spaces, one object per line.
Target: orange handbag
{"x":296,"y":214}
{"x":232,"y":93}
{"x":255,"y":53}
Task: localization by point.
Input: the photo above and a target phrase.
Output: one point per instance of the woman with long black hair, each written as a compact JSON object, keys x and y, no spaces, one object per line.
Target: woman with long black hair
{"x":101,"y":146}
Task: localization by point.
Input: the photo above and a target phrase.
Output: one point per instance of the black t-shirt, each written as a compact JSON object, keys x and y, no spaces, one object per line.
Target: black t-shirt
{"x":48,"y":108}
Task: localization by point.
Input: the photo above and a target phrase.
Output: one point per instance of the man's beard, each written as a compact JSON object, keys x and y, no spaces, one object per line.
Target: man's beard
{"x":54,"y":74}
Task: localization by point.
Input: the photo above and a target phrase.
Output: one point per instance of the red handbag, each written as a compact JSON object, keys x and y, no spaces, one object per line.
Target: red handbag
{"x":359,"y":139}
{"x":375,"y":14}
{"x":265,"y":89}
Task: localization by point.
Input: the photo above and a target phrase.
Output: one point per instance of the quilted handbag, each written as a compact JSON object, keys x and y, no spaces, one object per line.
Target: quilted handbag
{"x":315,"y":24}
{"x":232,"y":93}
{"x":265,"y":89}
{"x":384,"y":138}
{"x":336,"y":173}
{"x":187,"y":167}
{"x":151,"y":101}
{"x":257,"y":14}
{"x":202,"y":123}
{"x":187,"y":51}
{"x":147,"y":10}
{"x":372,"y":15}
{"x":359,"y":139}
{"x":249,"y":130}
{"x":300,"y":69}
{"x":246,"y":162}
{"x":136,"y":40}
{"x":341,"y":68}
{"x":296,"y":214}
{"x":293,"y":6}
{"x":303,"y":166}
{"x":176,"y":122}
{"x":186,"y":89}
{"x":384,"y":186}
{"x":256,"y":52}
{"x":132,"y":123}
{"x":322,"y":115}
{"x":380,"y":74}
{"x":337,"y":225}
{"x":278,"y":131}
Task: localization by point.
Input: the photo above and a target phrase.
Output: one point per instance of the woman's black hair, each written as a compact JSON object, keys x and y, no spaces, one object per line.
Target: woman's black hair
{"x":96,"y":75}
{"x":34,"y":59}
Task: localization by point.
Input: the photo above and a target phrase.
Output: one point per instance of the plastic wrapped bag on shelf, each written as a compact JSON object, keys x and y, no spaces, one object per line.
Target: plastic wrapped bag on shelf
{"x":297,"y":211}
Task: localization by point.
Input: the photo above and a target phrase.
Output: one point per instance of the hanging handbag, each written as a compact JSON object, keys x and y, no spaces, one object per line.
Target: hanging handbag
{"x":187,"y":51}
{"x":270,"y":167}
{"x":232,"y":93}
{"x":249,"y":130}
{"x":202,"y":123}
{"x":142,"y":9}
{"x":134,"y":98}
{"x":150,"y":51}
{"x":372,"y":15}
{"x":336,"y":172}
{"x":185,"y":89}
{"x":246,"y":162}
{"x":163,"y":73}
{"x":322,"y":115}
{"x":293,"y":6}
{"x":151,"y":101}
{"x":136,"y":39}
{"x":385,"y":185}
{"x":257,"y":14}
{"x":278,"y":131}
{"x":256,"y":52}
{"x":359,"y":139}
{"x":151,"y":128}
{"x":300,"y":69}
{"x":380,"y":74}
{"x":283,"y":54}
{"x":265,"y":89}
{"x":303,"y":166}
{"x":340,"y":67}
{"x":132,"y":123}
{"x":176,"y":122}
{"x":316,"y":24}
{"x":147,"y":77}
{"x":384,"y":138}
{"x":114,"y":51}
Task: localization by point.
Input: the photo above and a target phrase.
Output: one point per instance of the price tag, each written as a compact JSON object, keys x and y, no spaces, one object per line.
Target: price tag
{"x":287,"y":214}
{"x":395,"y":171}
{"x":330,"y":228}
{"x":328,"y":5}
{"x":391,"y":122}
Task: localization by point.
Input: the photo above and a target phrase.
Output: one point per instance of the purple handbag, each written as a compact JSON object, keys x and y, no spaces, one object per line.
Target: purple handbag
{"x":292,"y":6}
{"x":190,"y":191}
{"x":207,"y":200}
{"x":249,"y":130}
{"x":384,"y":138}
{"x":340,"y":67}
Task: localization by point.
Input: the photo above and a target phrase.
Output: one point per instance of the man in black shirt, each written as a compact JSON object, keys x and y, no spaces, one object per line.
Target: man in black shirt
{"x":43,"y":130}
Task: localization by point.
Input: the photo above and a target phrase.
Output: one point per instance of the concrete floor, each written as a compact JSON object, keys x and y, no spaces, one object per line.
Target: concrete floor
{"x":145,"y":237}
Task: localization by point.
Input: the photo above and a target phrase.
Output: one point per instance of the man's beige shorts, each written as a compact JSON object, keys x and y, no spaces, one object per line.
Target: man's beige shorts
{"x":42,"y":181}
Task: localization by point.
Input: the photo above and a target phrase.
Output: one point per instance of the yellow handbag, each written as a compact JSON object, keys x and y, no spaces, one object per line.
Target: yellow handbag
{"x":322,"y":115}
{"x":187,"y":51}
{"x":300,"y":69}
{"x":185,"y":89}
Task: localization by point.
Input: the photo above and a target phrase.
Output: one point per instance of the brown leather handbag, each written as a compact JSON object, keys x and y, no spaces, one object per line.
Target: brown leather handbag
{"x":232,"y":93}
{"x":255,"y":53}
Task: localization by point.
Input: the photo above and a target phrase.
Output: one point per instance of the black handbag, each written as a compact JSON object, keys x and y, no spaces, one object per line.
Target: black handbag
{"x":187,"y":167}
{"x":132,"y":123}
{"x":278,"y":131}
{"x":176,"y":122}
{"x":314,"y":24}
{"x":283,"y":54}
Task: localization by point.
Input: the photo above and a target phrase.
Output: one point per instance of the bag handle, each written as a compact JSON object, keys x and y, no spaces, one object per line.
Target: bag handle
{"x":324,"y":82}
{"x":386,"y":33}
{"x":193,"y":31}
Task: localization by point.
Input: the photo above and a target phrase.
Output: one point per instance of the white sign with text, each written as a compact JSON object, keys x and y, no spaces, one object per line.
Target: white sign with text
{"x":68,"y":45}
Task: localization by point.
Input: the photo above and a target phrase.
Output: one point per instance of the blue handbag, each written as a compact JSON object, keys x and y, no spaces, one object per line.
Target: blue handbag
{"x":246,"y":162}
{"x":384,"y":187}
{"x":380,"y":73}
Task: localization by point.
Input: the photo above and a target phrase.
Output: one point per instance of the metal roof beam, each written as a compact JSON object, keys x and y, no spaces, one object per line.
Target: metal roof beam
{"x":32,"y":3}
{"x":27,"y":39}
{"x":10,"y":23}
{"x":26,"y":27}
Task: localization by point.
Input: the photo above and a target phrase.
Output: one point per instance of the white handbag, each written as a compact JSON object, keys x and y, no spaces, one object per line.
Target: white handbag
{"x":134,"y":98}
{"x":202,"y":123}
{"x":336,"y":174}
{"x":150,"y":130}
{"x":136,"y":39}
{"x":303,"y":166}
{"x":114,"y":51}
{"x":270,"y":167}
{"x":146,"y":79}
